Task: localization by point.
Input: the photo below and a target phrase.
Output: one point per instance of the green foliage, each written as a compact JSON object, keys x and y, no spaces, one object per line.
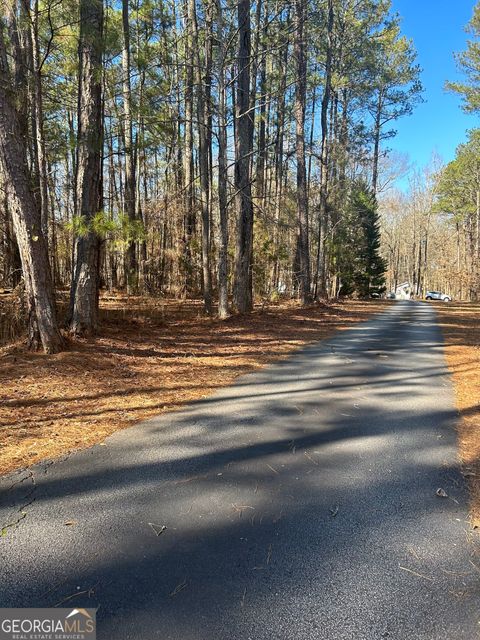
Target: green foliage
{"x":370,"y":266}
{"x":393,"y":74}
{"x":458,"y":182}
{"x":78,"y":226}
{"x":468,"y":62}
{"x":356,"y":256}
{"x":131,"y":230}
{"x":121,"y":230}
{"x":101,"y":224}
{"x":370,"y":60}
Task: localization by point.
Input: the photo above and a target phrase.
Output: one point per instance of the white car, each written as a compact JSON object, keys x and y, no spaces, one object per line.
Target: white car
{"x":437,"y":295}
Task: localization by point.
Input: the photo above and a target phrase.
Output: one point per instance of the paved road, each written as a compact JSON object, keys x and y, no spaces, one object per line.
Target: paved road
{"x":299,"y":504}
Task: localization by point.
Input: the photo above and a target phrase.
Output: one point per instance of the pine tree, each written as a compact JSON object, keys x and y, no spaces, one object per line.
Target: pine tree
{"x":370,"y":266}
{"x":89,"y":187}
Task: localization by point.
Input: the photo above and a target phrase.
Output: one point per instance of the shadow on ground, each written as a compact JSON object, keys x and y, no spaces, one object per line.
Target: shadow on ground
{"x":299,"y":503}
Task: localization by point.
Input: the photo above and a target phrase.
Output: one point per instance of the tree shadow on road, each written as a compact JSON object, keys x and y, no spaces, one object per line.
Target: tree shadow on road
{"x":294,"y":508}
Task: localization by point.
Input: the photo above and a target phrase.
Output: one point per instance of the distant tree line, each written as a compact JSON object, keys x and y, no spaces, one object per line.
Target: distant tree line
{"x":431,"y":233}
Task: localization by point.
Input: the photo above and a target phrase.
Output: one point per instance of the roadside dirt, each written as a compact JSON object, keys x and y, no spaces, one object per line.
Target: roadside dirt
{"x":150,"y":357}
{"x":461,"y":328}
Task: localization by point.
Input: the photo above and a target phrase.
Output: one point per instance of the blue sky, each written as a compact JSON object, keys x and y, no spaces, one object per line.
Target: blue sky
{"x":438,"y":125}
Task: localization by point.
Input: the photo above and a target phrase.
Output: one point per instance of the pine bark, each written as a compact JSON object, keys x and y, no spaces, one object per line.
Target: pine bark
{"x":131,"y":263}
{"x":320,"y":283}
{"x":302,"y":197}
{"x":376,"y":141}
{"x":203,"y":83}
{"x":262,"y":120}
{"x":42,"y":318}
{"x":222,"y":170}
{"x":243,"y":297}
{"x":38,"y":118}
{"x":88,"y":184}
{"x":189,"y":217}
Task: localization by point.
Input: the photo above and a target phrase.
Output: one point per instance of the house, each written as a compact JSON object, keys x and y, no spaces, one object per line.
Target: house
{"x":403,"y":291}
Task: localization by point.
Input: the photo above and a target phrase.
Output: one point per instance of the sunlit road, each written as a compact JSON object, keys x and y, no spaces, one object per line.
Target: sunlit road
{"x":300,"y":504}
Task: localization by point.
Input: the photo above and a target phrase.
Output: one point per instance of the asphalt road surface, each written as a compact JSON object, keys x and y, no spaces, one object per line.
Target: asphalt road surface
{"x":299,"y":504}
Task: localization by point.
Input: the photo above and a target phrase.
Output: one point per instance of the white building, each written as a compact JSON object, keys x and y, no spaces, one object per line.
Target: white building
{"x":403,"y":291}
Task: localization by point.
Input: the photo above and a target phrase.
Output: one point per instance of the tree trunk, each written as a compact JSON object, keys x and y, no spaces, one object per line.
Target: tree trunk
{"x":302,"y":198}
{"x":262,"y":120}
{"x":131,"y":265}
{"x":222,"y":170}
{"x":279,"y":160}
{"x":88,"y":186}
{"x":189,"y":222}
{"x":38,"y":120}
{"x":42,"y":318}
{"x":243,"y":297}
{"x":476,"y":252}
{"x":320,"y":284}
{"x":376,"y":141}
{"x":203,"y":106}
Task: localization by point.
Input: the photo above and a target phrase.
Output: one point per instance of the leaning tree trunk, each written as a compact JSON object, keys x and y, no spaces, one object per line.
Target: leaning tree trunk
{"x":302,"y":198}
{"x":88,"y":185}
{"x":42,"y":319}
{"x":242,"y":295}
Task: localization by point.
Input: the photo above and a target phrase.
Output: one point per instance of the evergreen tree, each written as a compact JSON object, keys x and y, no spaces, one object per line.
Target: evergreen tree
{"x":468,"y":62}
{"x":370,"y":266}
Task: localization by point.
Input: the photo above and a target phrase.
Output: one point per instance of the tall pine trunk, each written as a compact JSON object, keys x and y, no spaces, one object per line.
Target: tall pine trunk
{"x":88,"y":184}
{"x":302,"y":196}
{"x":320,"y":276}
{"x":203,"y":83}
{"x":243,"y":148}
{"x":131,"y":264}
{"x":279,"y":158}
{"x":376,"y":140}
{"x":42,"y":318}
{"x":189,"y":214}
{"x":222,"y":169}
{"x":38,"y":118}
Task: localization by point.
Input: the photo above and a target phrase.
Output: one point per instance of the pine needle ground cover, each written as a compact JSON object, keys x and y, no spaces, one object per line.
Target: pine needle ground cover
{"x":461,"y":329}
{"x":150,"y":358}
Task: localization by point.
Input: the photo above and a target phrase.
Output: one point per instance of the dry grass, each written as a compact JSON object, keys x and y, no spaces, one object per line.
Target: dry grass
{"x":461,"y":328}
{"x":149,"y":358}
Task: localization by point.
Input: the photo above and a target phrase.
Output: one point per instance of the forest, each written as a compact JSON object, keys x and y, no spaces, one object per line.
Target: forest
{"x":229,"y":151}
{"x":217,"y":417}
